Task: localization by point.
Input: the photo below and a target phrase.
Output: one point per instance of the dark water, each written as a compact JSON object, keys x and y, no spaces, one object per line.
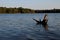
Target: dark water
{"x":22,"y":27}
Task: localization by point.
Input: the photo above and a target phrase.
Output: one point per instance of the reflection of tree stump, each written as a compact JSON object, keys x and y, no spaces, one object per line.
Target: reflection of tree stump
{"x":29,"y":39}
{"x":45,"y":26}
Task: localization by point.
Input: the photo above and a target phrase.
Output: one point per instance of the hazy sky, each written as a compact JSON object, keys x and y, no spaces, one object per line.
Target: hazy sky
{"x":33,"y":4}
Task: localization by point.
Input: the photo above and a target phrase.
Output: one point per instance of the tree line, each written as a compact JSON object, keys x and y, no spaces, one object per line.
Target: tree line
{"x":48,"y":11}
{"x":26,"y":10}
{"x":15,"y":10}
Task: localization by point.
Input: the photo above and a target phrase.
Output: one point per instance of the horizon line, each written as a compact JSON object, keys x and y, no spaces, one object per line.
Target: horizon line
{"x":33,"y":8}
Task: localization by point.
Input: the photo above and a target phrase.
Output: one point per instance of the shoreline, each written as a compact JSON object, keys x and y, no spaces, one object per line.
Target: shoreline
{"x":21,"y":10}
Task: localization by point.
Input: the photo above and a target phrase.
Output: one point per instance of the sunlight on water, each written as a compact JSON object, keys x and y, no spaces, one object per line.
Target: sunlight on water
{"x":22,"y":27}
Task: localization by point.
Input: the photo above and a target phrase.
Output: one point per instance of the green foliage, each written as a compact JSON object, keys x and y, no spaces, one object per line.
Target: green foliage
{"x":15,"y":10}
{"x":26,"y":10}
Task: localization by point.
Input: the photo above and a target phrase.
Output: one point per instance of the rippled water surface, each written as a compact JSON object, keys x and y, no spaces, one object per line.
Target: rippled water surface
{"x":22,"y":27}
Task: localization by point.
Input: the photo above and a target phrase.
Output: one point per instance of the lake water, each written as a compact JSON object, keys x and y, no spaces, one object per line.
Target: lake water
{"x":22,"y":27}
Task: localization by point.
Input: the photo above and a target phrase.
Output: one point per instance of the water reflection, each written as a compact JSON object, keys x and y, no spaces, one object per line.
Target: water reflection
{"x":43,"y":25}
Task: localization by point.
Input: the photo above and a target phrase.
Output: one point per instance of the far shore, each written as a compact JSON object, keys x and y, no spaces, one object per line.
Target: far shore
{"x":5,"y":10}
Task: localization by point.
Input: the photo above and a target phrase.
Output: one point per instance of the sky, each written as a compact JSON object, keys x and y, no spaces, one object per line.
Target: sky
{"x":32,"y":4}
